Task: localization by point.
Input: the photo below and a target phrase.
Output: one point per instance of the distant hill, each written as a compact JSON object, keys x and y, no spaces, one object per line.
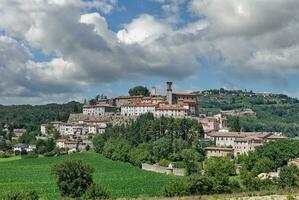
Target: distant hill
{"x":274,"y":112}
{"x":31,"y":117}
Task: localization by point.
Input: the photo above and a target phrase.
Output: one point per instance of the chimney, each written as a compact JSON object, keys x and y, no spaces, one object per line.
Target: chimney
{"x":169,"y":92}
{"x":154,"y":91}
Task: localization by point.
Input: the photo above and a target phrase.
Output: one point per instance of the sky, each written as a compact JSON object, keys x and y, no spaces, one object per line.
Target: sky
{"x":64,"y":50}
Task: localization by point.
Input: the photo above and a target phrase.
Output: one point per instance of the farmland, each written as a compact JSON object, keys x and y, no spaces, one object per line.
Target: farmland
{"x":122,"y":179}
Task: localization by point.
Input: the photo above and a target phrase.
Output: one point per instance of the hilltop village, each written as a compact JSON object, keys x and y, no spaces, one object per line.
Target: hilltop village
{"x":170,"y":133}
{"x":77,"y":133}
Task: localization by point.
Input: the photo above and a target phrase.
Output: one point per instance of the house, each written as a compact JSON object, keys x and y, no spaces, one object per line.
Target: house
{"x":215,"y":123}
{"x":99,"y":109}
{"x":20,"y":147}
{"x":24,"y":148}
{"x":243,"y":142}
{"x":125,"y":100}
{"x":171,"y":111}
{"x":294,"y":162}
{"x":137,"y":109}
{"x":245,"y":145}
{"x":43,"y":129}
{"x":19,"y":132}
{"x":66,"y":144}
{"x":218,"y":151}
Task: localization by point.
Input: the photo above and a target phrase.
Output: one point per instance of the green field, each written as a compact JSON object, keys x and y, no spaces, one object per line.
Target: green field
{"x":123,"y":179}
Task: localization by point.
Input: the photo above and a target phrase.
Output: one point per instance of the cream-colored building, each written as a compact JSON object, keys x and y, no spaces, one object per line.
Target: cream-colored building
{"x":218,"y":151}
{"x":245,"y":145}
{"x":243,"y":142}
{"x":171,"y":111}
{"x":137,"y":109}
{"x":99,"y":109}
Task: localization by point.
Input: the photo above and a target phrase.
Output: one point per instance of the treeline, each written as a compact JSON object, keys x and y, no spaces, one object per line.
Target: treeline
{"x":31,"y":117}
{"x":152,"y":140}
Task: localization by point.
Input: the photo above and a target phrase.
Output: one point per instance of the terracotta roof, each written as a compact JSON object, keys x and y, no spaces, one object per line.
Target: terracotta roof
{"x":154,"y":98}
{"x":184,"y":94}
{"x":170,"y":107}
{"x":276,"y":137}
{"x":246,"y":139}
{"x":129,"y":97}
{"x":99,"y":105}
{"x":219,"y":149}
{"x":140,"y":104}
{"x":229,"y":134}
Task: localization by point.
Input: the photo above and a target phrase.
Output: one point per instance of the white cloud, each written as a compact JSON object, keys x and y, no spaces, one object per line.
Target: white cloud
{"x":241,"y":39}
{"x":144,"y":29}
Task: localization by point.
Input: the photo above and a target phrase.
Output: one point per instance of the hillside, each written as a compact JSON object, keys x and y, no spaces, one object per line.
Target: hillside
{"x":31,"y":117}
{"x":122,"y":179}
{"x":274,"y":112}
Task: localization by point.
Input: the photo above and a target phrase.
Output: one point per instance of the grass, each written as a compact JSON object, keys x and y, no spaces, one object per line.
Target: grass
{"x":123,"y":179}
{"x":10,"y":159}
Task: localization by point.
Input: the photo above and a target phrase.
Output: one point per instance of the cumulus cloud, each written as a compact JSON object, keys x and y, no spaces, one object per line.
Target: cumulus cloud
{"x":240,"y":39}
{"x":86,"y":51}
{"x":254,"y":39}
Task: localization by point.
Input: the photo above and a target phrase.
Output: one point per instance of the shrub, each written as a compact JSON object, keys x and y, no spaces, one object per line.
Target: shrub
{"x":50,"y":154}
{"x":73,"y":177}
{"x":180,"y":165}
{"x":30,"y":155}
{"x":4,"y":155}
{"x":139,"y":155}
{"x":98,"y":143}
{"x":117,"y":149}
{"x":178,"y":188}
{"x":164,"y":163}
{"x":96,"y":192}
{"x":200,"y":184}
{"x":192,"y":167}
{"x":288,"y":176}
{"x":24,"y":195}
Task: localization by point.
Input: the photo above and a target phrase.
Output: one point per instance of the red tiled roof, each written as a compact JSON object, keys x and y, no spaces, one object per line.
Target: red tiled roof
{"x":184,"y":94}
{"x":129,"y":97}
{"x":169,"y":107}
{"x":219,"y":149}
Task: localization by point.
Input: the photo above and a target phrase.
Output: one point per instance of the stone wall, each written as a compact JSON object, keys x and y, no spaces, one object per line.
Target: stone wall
{"x":163,"y":170}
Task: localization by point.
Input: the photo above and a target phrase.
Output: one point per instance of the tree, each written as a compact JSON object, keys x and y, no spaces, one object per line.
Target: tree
{"x":73,"y":177}
{"x":139,"y":90}
{"x":139,"y":155}
{"x":3,"y":145}
{"x":51,"y":130}
{"x":98,"y":142}
{"x":23,"y":195}
{"x":27,"y":138}
{"x":263,"y":165}
{"x":219,"y":167}
{"x":117,"y":149}
{"x":200,"y":185}
{"x":96,"y":192}
{"x":190,"y":158}
{"x":288,"y":176}
{"x":162,"y":148}
{"x":236,"y":125}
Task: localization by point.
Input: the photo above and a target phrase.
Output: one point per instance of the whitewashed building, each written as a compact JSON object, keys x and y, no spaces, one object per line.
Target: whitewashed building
{"x":99,"y":109}
{"x":171,"y":111}
{"x":137,"y":109}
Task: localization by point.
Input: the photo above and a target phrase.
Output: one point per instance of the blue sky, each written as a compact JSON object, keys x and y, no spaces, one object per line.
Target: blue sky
{"x":57,"y":51}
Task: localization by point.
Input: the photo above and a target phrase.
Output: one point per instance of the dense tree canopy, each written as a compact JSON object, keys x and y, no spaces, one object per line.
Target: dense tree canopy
{"x":31,"y":117}
{"x":139,"y":90}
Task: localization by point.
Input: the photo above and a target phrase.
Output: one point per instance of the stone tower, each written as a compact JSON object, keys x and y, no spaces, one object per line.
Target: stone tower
{"x":169,"y":92}
{"x":154,"y":91}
